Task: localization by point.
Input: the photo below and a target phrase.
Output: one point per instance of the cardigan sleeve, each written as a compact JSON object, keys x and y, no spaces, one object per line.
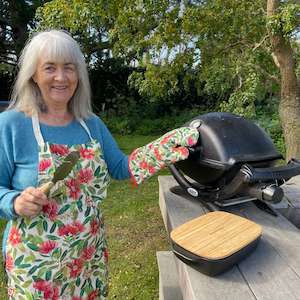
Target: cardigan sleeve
{"x":116,"y":160}
{"x":7,"y":194}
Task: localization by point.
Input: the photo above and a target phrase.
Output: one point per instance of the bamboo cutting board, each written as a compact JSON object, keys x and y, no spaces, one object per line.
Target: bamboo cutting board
{"x":216,"y":235}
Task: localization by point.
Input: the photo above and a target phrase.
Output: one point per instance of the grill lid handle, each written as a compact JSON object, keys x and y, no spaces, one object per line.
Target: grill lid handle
{"x":270,"y":174}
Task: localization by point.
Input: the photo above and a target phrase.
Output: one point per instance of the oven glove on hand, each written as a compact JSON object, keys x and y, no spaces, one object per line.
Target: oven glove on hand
{"x":145,"y":161}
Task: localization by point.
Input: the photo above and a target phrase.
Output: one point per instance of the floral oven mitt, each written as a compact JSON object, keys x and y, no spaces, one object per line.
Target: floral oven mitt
{"x":168,"y":149}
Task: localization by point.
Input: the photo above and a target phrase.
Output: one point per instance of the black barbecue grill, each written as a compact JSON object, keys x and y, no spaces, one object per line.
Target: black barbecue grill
{"x":233,"y":161}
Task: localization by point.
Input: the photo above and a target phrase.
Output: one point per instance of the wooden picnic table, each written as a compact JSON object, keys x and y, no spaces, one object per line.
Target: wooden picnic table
{"x":272,"y":271}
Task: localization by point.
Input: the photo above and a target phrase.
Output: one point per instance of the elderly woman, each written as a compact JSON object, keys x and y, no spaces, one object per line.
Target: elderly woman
{"x":54,"y":245}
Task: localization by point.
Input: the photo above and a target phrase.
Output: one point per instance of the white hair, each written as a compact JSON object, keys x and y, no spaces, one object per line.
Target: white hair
{"x":58,"y":46}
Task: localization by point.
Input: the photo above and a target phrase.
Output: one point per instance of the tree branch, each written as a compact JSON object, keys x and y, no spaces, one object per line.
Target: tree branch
{"x":241,"y":42}
{"x":275,"y":59}
{"x":260,"y":43}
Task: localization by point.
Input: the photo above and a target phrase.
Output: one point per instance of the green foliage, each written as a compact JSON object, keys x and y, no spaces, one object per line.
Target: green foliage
{"x":273,"y":127}
{"x":156,"y":82}
{"x":110,"y":91}
{"x":87,"y":21}
{"x":220,"y":47}
{"x":16,"y":20}
{"x":286,"y":21}
{"x":268,"y":118}
{"x":145,"y":125}
{"x":242,"y":102}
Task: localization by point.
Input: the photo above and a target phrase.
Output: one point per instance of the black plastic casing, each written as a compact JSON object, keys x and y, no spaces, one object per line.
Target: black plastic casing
{"x":226,"y":142}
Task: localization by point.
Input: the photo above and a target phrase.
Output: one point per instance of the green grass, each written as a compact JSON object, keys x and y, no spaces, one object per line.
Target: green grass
{"x":135,"y":231}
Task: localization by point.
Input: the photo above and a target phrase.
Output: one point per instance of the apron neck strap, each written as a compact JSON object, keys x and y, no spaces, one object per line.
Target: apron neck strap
{"x":83,"y":124}
{"x":36,"y":129}
{"x":38,"y":134}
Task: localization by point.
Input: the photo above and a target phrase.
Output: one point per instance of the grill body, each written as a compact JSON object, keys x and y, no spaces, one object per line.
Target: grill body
{"x":234,"y":157}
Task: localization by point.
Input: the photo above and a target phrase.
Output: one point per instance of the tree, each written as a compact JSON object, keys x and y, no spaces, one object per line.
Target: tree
{"x":16,"y":20}
{"x":226,"y":47}
{"x":87,"y":21}
{"x":283,"y":22}
{"x":208,"y":42}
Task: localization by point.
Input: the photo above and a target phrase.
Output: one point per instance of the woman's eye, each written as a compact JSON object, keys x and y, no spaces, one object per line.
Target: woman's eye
{"x":70,"y":68}
{"x":49,"y":68}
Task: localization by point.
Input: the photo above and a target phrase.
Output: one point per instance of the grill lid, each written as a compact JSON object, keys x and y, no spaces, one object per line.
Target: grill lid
{"x":225,"y":141}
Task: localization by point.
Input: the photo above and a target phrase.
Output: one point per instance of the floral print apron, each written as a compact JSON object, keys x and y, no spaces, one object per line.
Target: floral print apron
{"x":62,"y":253}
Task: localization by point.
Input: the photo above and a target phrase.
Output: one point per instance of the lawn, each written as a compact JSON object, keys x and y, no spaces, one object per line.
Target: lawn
{"x":135,"y":232}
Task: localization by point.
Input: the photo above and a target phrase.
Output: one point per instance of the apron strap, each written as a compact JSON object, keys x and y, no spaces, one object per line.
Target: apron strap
{"x":83,"y":124}
{"x":36,"y":129}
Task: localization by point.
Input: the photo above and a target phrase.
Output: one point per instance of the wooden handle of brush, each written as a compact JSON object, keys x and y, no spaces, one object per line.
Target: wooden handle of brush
{"x":46,"y":187}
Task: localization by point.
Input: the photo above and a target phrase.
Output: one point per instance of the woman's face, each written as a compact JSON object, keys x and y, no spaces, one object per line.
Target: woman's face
{"x":57,"y":81}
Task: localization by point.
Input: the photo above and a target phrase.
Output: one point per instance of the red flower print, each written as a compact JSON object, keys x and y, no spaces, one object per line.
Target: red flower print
{"x":76,"y":298}
{"x":93,"y":295}
{"x":74,"y":188}
{"x":151,"y":170}
{"x":166,"y":139}
{"x":51,"y":209}
{"x":75,"y":267}
{"x":94,"y":227}
{"x":191,"y":141}
{"x":157,"y":155}
{"x":52,"y":294}
{"x":87,"y":253}
{"x":42,"y":285}
{"x":14,"y":236}
{"x":47,"y":246}
{"x":105,"y":254}
{"x":44,"y":164}
{"x":59,"y":149}
{"x":63,"y":230}
{"x":85,"y":175}
{"x":9,"y":263}
{"x":184,"y":152}
{"x":143,"y":165}
{"x":87,"y":153}
{"x":71,"y":229}
{"x":76,"y":227}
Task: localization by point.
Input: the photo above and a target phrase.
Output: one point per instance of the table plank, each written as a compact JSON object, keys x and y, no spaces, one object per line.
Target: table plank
{"x":168,"y":278}
{"x":197,"y":286}
{"x":271,"y":272}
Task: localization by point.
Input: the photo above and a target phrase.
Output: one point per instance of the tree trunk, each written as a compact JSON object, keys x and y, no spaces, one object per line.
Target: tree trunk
{"x":289,"y":105}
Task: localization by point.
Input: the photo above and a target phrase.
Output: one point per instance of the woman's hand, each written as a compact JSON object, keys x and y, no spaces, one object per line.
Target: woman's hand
{"x":30,"y":202}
